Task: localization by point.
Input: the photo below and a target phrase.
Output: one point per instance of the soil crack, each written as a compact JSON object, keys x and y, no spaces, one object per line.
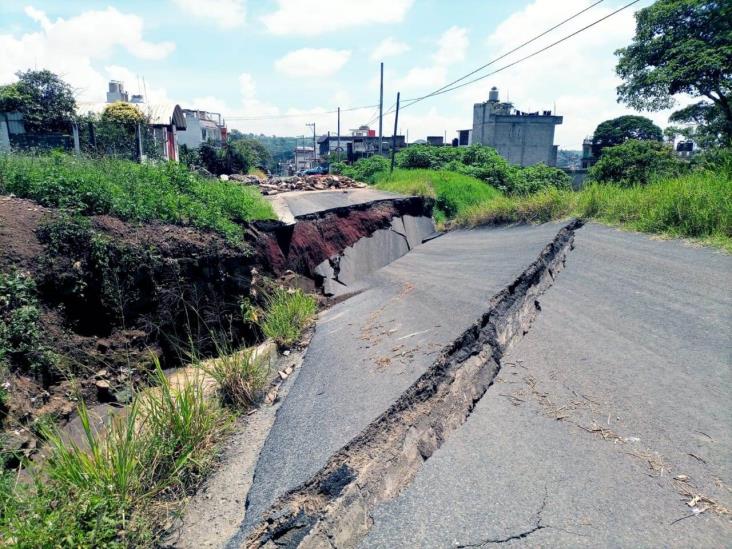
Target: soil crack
{"x":377,"y":464}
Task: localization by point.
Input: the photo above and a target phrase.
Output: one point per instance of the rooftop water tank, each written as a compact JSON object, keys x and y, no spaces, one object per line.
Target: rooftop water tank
{"x":493,"y":94}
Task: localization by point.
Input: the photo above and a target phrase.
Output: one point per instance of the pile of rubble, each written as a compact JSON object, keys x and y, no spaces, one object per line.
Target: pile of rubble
{"x":276,"y":185}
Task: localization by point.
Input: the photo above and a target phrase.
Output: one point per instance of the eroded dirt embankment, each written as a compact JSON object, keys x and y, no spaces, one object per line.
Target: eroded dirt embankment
{"x":112,"y":293}
{"x":333,"y":508}
{"x":317,"y":237}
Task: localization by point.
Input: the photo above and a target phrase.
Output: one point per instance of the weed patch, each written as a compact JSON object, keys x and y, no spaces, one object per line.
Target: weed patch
{"x":140,"y":192}
{"x":106,"y":491}
{"x":241,"y":375}
{"x":287,"y":314}
{"x":695,"y":205}
{"x":454,"y":193}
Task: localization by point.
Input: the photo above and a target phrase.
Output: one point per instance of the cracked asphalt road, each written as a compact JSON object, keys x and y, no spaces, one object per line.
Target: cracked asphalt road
{"x":367,"y":350}
{"x":606,"y":420}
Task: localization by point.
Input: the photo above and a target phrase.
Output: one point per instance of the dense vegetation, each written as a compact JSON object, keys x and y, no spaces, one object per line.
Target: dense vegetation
{"x":140,"y":192}
{"x":476,"y":161}
{"x":695,"y":205}
{"x":682,"y":47}
{"x":618,"y":130}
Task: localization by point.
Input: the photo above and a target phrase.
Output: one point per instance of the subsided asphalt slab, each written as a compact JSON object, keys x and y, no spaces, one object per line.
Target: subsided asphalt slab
{"x":367,"y":350}
{"x":290,"y":205}
{"x":605,"y":421}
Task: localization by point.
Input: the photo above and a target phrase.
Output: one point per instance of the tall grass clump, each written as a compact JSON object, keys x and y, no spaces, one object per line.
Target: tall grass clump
{"x":107,"y":490}
{"x":454,"y":193}
{"x":139,"y":192}
{"x":695,"y":205}
{"x":240,"y":375}
{"x":286,"y":315}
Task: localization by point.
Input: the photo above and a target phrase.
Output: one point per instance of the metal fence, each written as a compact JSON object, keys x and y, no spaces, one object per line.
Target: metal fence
{"x":92,"y":138}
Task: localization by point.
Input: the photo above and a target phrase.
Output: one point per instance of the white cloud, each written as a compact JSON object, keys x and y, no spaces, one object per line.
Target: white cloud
{"x":312,"y":62}
{"x":314,"y":17}
{"x":69,"y":46}
{"x":247,"y":86}
{"x":225,"y":13}
{"x":422,"y":78}
{"x":388,"y":48}
{"x":453,"y":45}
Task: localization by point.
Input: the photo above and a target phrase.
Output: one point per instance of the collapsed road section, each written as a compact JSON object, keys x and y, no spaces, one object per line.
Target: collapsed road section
{"x":333,"y":507}
{"x":338,"y":237}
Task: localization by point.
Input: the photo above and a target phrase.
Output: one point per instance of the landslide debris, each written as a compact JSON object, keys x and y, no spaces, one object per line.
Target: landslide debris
{"x":277,"y":185}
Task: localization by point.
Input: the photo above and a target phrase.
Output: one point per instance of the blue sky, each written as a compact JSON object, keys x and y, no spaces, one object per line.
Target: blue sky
{"x":288,"y":62}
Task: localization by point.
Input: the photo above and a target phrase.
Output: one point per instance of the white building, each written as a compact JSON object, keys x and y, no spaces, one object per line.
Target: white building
{"x":202,"y":127}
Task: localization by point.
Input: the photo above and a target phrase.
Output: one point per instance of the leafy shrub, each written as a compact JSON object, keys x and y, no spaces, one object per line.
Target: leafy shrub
{"x":287,"y":313}
{"x":21,"y":339}
{"x":142,"y":192}
{"x":636,"y":163}
{"x":535,"y":178}
{"x":365,"y":169}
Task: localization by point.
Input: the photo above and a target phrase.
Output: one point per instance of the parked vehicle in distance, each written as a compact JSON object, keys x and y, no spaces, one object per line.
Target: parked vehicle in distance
{"x":318,"y":170}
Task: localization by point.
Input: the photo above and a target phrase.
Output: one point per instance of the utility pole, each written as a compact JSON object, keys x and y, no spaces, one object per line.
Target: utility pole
{"x":338,"y":146}
{"x":393,"y":137}
{"x":313,"y":125}
{"x":381,"y":105}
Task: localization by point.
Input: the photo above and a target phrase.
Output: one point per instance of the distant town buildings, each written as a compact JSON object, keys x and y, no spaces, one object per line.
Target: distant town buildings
{"x":361,"y":142}
{"x":522,"y":138}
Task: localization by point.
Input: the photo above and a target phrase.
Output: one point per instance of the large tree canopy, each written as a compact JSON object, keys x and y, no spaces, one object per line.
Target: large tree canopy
{"x":45,"y":100}
{"x":680,"y":46}
{"x":619,"y":130}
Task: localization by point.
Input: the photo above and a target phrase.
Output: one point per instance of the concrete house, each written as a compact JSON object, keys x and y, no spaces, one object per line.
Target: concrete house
{"x":202,"y":127}
{"x":521,"y":138}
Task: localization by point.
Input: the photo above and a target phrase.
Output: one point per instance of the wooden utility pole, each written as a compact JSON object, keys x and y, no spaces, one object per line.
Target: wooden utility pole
{"x":381,"y":106}
{"x":393,"y":137}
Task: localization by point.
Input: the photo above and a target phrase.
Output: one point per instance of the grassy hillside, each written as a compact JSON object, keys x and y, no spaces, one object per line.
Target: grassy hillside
{"x":138,"y":192}
{"x":454,"y":193}
{"x":697,"y":205}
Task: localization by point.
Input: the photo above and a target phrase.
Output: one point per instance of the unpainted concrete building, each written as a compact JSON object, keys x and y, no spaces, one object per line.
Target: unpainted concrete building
{"x":521,"y":138}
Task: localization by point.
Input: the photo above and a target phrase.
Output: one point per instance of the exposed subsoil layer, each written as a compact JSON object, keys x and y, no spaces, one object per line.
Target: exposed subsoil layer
{"x":318,"y":236}
{"x":333,"y":507}
{"x":112,"y":292}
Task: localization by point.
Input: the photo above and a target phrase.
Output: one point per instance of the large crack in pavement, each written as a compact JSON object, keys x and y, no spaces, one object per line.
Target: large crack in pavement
{"x":333,"y":508}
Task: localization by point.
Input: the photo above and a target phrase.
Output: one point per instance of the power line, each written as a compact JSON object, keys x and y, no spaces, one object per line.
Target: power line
{"x":244,"y":117}
{"x":522,"y":45}
{"x":537,"y":52}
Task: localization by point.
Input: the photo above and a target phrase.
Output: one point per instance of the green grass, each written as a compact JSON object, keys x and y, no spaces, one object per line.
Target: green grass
{"x":112,"y":490}
{"x":454,"y":193}
{"x":287,"y":314}
{"x":697,"y":205}
{"x":240,"y":375}
{"x":139,"y":192}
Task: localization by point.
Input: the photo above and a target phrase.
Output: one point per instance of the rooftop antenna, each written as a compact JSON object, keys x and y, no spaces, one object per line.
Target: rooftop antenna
{"x":145,"y":88}
{"x":138,"y":83}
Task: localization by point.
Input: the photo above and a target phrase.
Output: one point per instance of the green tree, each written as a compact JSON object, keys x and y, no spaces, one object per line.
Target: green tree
{"x":253,"y":150}
{"x":45,"y":100}
{"x":681,"y":46}
{"x":618,"y":130}
{"x":636,"y":163}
